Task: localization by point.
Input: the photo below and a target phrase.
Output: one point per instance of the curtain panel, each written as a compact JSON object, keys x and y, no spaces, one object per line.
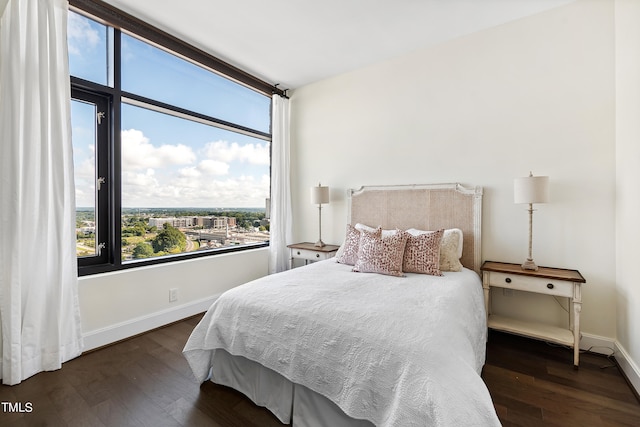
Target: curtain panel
{"x":280,"y":229}
{"x":39,"y":311}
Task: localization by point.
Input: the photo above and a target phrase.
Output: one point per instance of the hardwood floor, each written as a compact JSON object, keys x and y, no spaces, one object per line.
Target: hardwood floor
{"x":145,"y":381}
{"x":535,"y":384}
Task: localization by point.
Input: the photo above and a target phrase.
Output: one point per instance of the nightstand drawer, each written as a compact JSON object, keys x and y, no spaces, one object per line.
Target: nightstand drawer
{"x":310,"y":254}
{"x":539,"y":285}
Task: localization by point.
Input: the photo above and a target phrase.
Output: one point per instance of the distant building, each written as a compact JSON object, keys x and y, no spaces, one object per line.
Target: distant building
{"x":216,"y":222}
{"x":182,"y":222}
{"x":209,"y":222}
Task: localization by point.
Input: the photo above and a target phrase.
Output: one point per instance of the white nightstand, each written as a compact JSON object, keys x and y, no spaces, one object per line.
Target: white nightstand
{"x":550,"y":281}
{"x":309,"y":252}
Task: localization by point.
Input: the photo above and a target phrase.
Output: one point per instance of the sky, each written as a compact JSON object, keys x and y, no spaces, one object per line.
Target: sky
{"x":169,"y":161}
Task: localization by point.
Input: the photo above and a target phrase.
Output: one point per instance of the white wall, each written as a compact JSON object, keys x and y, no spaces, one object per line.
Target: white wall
{"x":628,"y":178}
{"x":117,"y":305}
{"x":535,"y":95}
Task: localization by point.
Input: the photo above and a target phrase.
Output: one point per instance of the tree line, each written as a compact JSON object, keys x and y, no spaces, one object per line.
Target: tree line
{"x":169,"y":240}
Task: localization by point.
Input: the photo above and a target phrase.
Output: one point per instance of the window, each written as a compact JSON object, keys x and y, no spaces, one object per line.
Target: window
{"x":146,"y":68}
{"x":89,"y":44}
{"x":90,"y":142}
{"x":172,"y":158}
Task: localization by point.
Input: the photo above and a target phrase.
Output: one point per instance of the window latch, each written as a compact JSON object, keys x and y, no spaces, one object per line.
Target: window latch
{"x":101,"y":246}
{"x":99,"y":116}
{"x":100,"y":181}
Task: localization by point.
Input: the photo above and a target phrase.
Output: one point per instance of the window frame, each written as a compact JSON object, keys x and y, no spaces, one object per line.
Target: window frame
{"x":103,"y":157}
{"x":108,"y":205}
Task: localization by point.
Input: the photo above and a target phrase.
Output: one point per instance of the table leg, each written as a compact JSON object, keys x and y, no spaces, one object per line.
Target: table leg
{"x":577,"y":308}
{"x":487,"y":298}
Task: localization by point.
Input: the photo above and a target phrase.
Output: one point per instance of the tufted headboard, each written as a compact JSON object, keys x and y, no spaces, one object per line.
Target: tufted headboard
{"x":425,"y":207}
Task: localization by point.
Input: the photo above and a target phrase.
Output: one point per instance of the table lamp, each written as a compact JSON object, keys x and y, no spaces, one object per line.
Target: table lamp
{"x":531,"y":189}
{"x":319,"y":196}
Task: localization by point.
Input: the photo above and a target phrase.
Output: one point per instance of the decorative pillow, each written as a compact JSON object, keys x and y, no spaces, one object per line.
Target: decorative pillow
{"x":422,"y":253}
{"x":450,"y":248}
{"x":385,"y":233}
{"x":379,"y":254}
{"x":348,"y":253}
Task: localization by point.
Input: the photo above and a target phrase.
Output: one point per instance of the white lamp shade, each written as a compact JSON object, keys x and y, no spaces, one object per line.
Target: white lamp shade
{"x":531,"y":189}
{"x":319,"y":195}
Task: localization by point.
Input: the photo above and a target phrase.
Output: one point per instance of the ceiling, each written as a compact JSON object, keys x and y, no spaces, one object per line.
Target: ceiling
{"x":297,"y":42}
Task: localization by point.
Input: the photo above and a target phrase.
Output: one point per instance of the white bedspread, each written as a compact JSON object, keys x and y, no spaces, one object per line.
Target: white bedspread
{"x":397,"y":351}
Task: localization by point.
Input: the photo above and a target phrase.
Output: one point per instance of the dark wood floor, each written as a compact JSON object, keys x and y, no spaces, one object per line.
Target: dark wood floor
{"x":534,"y":384}
{"x":145,"y":381}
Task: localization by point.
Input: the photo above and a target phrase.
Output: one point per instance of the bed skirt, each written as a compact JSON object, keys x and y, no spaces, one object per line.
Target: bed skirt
{"x":291,"y":403}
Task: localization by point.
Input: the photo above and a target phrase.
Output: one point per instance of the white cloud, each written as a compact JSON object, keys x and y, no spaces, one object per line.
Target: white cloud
{"x":83,"y":199}
{"x":81,"y":37}
{"x":138,"y":153}
{"x":244,"y":191}
{"x":85,"y":179}
{"x":138,"y":187}
{"x":225,"y":151}
{"x":173,"y":176}
{"x":213,"y":167}
{"x":146,"y":180}
{"x":86,"y":170}
{"x":190,"y":172}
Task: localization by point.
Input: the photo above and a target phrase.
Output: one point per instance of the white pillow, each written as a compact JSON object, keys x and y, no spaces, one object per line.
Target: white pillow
{"x":385,"y":233}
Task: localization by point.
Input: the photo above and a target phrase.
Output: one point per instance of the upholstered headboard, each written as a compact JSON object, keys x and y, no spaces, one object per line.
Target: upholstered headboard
{"x":425,"y":207}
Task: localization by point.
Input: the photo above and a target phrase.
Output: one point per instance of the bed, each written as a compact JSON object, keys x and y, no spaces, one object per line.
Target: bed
{"x":322,"y":345}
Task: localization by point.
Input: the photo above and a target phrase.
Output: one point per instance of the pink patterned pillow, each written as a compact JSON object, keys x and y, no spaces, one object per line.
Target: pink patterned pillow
{"x":422,"y":253}
{"x":348,"y":253}
{"x":379,"y":254}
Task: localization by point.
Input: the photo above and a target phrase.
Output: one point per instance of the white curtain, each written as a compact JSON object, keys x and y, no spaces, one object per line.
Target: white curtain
{"x":280,"y":228}
{"x":39,"y":311}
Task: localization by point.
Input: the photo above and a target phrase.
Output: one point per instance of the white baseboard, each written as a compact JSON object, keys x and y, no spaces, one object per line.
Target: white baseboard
{"x":628,"y":366}
{"x":597,"y":344}
{"x":607,"y":346}
{"x":120,"y":331}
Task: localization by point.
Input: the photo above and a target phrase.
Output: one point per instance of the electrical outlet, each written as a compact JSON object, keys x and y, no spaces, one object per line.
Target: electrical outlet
{"x":173,"y":294}
{"x":507,"y":292}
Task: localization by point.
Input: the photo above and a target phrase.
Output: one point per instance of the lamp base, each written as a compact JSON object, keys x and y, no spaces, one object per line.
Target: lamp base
{"x":319,"y":244}
{"x":529,"y":265}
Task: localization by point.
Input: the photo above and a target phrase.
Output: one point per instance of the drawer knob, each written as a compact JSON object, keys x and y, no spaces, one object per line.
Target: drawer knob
{"x":508,"y":280}
{"x":550,"y":285}
{"x":298,"y":252}
{"x":317,"y":255}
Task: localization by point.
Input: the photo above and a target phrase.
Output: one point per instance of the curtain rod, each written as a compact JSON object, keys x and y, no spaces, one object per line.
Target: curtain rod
{"x":283,"y":92}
